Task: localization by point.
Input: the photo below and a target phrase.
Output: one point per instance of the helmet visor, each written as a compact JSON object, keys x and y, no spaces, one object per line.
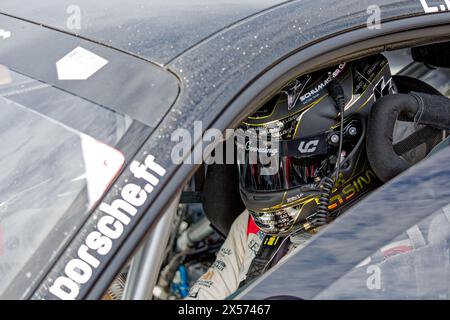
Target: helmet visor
{"x":283,"y":174}
{"x":291,"y":164}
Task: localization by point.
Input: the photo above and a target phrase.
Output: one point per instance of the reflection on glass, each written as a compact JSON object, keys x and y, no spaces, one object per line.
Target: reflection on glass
{"x":56,"y":161}
{"x":415,"y":265}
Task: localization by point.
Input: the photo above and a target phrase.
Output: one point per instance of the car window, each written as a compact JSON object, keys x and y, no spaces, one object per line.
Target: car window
{"x":402,"y":63}
{"x":437,"y":78}
{"x":58,"y":155}
{"x":415,"y":265}
{"x":399,"y":59}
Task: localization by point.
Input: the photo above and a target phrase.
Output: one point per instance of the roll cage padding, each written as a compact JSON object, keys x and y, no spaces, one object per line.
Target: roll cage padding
{"x":222,"y":202}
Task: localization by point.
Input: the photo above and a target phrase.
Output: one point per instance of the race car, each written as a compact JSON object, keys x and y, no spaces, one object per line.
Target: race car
{"x":92,"y":203}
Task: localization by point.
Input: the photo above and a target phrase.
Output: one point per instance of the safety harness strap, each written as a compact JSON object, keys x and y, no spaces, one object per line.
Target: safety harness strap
{"x":270,"y":252}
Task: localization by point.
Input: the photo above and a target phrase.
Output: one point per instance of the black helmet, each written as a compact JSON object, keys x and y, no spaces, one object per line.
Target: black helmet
{"x":318,"y":163}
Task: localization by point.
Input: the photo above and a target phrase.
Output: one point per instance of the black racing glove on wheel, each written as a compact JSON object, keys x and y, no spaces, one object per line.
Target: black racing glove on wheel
{"x":431,"y":111}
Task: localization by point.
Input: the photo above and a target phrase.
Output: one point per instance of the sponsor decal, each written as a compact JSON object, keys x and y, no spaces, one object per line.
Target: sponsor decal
{"x":253,"y":246}
{"x":271,"y":241}
{"x":295,"y":90}
{"x":308,"y":147}
{"x":321,"y":86}
{"x":204,"y":283}
{"x":261,"y":235}
{"x":354,"y":187}
{"x":265,"y":150}
{"x":110,"y":226}
{"x":294,"y":198}
{"x":433,"y":9}
{"x":219,"y":265}
{"x":383,"y":88}
{"x":226,"y":251}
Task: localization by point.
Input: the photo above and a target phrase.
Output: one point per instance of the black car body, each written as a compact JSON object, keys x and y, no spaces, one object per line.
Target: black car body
{"x":170,"y":64}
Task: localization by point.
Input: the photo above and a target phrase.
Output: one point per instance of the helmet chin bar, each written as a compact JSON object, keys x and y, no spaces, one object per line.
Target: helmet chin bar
{"x":267,"y":201}
{"x":278,"y":222}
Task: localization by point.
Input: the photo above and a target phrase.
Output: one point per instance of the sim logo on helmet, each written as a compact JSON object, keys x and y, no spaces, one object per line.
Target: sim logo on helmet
{"x":308,"y":147}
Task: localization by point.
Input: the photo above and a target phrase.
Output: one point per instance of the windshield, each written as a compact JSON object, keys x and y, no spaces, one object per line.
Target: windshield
{"x":58,"y":155}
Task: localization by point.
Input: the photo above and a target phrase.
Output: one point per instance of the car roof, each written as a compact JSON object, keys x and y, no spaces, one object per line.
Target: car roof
{"x":155,"y":30}
{"x":161,"y":31}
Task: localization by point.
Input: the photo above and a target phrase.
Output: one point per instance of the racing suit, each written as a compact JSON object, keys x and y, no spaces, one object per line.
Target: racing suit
{"x":239,"y":251}
{"x":415,"y":265}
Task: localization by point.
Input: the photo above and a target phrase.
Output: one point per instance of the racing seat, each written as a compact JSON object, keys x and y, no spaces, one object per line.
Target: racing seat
{"x":221,"y":199}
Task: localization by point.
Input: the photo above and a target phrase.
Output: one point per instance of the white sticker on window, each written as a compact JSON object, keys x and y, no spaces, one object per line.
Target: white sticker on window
{"x":79,"y":64}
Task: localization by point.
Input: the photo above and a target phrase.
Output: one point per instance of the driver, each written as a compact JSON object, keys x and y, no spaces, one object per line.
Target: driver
{"x":314,"y":134}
